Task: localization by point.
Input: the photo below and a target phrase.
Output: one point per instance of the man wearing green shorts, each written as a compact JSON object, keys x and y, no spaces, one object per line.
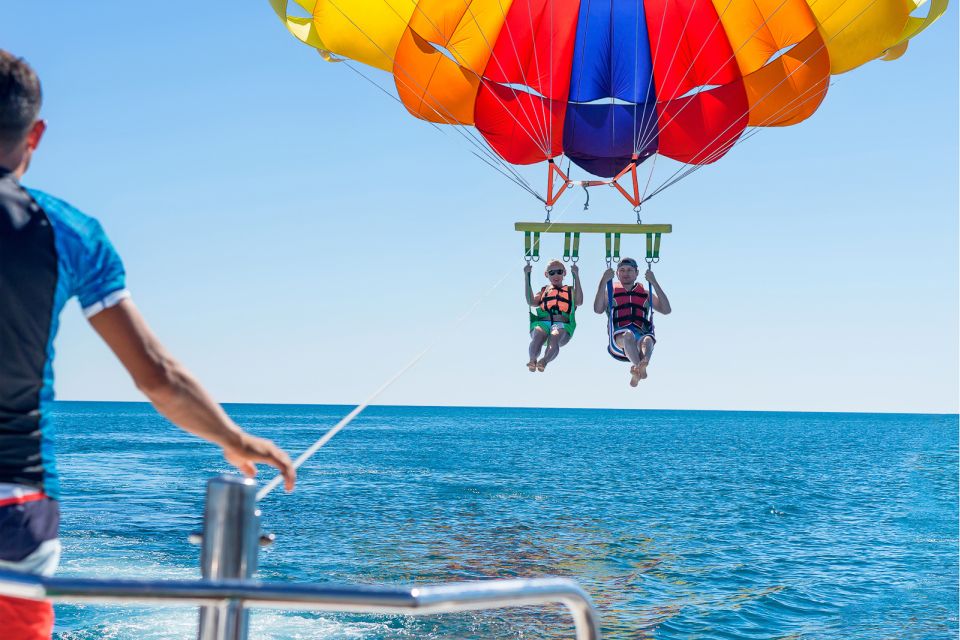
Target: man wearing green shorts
{"x":553,"y":321}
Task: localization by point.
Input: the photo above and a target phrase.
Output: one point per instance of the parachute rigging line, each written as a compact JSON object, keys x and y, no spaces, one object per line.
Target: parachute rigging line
{"x":545,"y":145}
{"x":703,"y":85}
{"x":530,"y":135}
{"x":537,"y":124}
{"x":710,"y":157}
{"x":691,"y":169}
{"x":449,"y":116}
{"x":686,"y":169}
{"x":523,"y":184}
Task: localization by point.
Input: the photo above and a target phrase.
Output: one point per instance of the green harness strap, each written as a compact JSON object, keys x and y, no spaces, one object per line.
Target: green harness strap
{"x":571,"y":246}
{"x":531,"y":246}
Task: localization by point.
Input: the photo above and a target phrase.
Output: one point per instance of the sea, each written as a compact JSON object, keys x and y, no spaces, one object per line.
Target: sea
{"x":679,"y":524}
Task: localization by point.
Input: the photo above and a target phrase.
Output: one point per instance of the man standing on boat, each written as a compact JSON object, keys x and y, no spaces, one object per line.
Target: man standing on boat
{"x":49,"y":253}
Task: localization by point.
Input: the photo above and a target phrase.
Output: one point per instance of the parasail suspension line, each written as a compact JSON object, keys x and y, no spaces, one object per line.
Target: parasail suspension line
{"x":533,"y":252}
{"x":347,"y":419}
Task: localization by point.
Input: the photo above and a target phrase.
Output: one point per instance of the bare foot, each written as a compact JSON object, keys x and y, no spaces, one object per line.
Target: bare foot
{"x":642,"y":369}
{"x":541,"y":365}
{"x":634,"y":378}
{"x":532,"y":366}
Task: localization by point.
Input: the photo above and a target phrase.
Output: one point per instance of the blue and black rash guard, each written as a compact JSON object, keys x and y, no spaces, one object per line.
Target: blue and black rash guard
{"x":49,"y":252}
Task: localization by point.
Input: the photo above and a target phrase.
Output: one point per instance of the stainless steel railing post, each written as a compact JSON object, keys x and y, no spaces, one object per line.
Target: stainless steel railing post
{"x":231,"y":535}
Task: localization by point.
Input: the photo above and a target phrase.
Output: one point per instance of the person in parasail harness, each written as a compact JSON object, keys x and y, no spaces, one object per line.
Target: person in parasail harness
{"x":629,"y":308}
{"x":51,"y":252}
{"x":553,"y":319}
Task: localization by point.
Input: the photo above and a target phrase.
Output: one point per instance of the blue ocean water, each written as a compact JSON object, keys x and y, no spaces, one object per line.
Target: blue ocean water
{"x":679,"y":524}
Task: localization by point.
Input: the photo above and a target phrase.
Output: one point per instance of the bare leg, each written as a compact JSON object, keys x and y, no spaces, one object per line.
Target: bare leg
{"x":646,"y":351}
{"x":628,"y":342}
{"x":536,"y":344}
{"x":553,"y":348}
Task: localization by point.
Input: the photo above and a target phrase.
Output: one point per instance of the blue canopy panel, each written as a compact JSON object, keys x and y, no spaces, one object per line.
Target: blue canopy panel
{"x":600,"y":138}
{"x":612,"y":105}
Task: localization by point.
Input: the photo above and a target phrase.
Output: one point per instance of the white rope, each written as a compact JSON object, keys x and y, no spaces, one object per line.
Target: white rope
{"x":347,"y":419}
{"x":316,"y":446}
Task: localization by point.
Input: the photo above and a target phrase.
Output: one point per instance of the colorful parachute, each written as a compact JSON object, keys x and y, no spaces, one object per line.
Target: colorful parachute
{"x":613,"y":82}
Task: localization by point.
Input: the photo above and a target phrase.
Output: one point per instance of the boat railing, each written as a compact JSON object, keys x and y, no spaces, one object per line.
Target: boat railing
{"x":230,"y":541}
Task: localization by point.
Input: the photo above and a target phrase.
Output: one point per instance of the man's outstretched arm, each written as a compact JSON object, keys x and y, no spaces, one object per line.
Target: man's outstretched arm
{"x":660,"y":302}
{"x":178,"y":396}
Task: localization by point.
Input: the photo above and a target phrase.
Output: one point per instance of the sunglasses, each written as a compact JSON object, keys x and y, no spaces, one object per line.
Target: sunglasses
{"x":555,"y":272}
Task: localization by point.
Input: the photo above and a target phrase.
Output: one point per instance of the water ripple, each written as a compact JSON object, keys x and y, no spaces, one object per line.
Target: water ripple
{"x":679,"y":524}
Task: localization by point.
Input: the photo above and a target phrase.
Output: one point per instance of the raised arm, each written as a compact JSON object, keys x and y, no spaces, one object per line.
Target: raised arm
{"x":178,"y":396}
{"x":660,"y":302}
{"x":533,"y":300}
{"x":600,"y":302}
{"x":577,"y":289}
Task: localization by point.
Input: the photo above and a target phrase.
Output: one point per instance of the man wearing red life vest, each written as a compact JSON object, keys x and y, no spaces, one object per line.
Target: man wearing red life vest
{"x":629,"y":307}
{"x":553,"y":323}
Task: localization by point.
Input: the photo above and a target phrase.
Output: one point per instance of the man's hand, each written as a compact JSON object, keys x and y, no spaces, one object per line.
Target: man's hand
{"x":178,"y":396}
{"x":250,"y":450}
{"x":574,"y":269}
{"x":527,"y":269}
{"x":607,"y":276}
{"x":652,"y":279}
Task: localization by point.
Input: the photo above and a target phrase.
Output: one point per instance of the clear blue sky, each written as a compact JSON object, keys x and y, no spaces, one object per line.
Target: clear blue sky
{"x":294,"y":236}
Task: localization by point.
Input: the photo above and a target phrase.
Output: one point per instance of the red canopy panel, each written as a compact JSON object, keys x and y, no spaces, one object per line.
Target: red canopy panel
{"x":522,"y":100}
{"x":702,"y":105}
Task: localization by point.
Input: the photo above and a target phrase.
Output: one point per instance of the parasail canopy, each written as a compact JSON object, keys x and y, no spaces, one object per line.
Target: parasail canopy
{"x":610,"y":83}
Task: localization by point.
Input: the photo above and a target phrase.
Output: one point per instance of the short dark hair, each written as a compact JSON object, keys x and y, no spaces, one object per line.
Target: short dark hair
{"x":20,"y":98}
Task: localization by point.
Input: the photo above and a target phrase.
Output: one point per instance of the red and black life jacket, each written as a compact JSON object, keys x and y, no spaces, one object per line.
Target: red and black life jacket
{"x":630,"y":307}
{"x":556,"y":300}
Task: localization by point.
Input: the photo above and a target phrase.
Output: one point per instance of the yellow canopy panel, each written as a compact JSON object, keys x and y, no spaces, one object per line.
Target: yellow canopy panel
{"x":784,"y":62}
{"x":858,"y":31}
{"x":367,"y":31}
